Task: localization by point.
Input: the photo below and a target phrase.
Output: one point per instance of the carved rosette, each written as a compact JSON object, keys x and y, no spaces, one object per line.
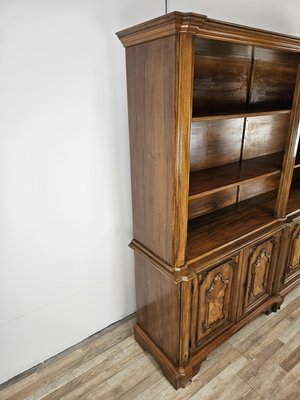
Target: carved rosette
{"x":215,"y":300}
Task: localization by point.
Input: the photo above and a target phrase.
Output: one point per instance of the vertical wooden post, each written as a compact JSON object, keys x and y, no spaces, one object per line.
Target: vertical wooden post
{"x":290,"y":153}
{"x":181,"y":167}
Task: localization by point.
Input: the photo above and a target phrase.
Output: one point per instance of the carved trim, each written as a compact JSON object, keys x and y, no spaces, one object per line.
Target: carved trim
{"x":258,"y":272}
{"x":202,"y":26}
{"x":215,"y":301}
{"x":292,"y":267}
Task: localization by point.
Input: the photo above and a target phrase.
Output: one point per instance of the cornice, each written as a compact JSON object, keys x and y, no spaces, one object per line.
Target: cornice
{"x":201,"y":26}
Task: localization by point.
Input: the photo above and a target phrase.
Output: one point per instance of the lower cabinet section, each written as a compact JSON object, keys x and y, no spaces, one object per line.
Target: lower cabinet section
{"x":182,"y":317}
{"x":233,"y":288}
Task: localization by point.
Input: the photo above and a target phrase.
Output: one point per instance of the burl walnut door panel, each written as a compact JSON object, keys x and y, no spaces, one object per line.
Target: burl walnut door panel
{"x":292,"y":269}
{"x":259,"y":267}
{"x":216,"y":300}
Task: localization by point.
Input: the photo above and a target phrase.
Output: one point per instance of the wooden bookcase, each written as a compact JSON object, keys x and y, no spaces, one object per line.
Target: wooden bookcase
{"x":215,"y":166}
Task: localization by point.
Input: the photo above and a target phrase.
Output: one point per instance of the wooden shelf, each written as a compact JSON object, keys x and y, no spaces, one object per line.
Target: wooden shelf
{"x":293,"y":205}
{"x":222,"y":227}
{"x":239,"y":115}
{"x":211,"y":180}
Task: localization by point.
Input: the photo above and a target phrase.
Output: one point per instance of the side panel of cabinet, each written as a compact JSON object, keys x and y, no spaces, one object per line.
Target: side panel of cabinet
{"x":259,"y":270}
{"x":159,"y":82}
{"x":151,"y":78}
{"x":158,"y":307}
{"x":216,"y":299}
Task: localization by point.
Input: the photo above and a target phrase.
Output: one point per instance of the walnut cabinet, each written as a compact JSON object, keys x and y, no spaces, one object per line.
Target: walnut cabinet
{"x":213,"y":113}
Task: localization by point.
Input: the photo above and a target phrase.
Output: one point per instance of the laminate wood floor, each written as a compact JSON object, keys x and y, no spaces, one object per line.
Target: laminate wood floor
{"x":261,"y":361}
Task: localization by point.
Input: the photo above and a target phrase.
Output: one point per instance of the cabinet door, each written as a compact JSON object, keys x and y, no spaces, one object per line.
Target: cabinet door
{"x":216,"y":300}
{"x":292,"y":269}
{"x":259,"y":268}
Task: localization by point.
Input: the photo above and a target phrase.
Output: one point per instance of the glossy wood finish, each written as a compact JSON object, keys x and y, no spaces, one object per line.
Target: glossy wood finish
{"x":214,"y":179}
{"x":206,"y":202}
{"x":213,"y":119}
{"x":260,"y":262}
{"x":216,"y":292}
{"x":151,"y":80}
{"x":247,"y":114}
{"x":294,"y":199}
{"x":203,"y":27}
{"x":261,"y":185}
{"x":291,"y":262}
{"x":290,"y":153}
{"x":220,"y":85}
{"x":225,"y":226}
{"x":272,"y":84}
{"x":215,"y":143}
{"x":158,"y":311}
{"x":265,"y":135}
{"x":181,"y":156}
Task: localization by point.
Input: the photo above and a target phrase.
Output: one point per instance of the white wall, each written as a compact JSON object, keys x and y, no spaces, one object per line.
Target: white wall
{"x":65,"y":207}
{"x":275,"y":15}
{"x":65,"y":211}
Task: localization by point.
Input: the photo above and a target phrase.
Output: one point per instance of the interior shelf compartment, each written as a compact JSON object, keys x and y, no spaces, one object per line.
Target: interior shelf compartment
{"x":239,"y":115}
{"x":211,"y":180}
{"x":293,"y":205}
{"x":297,"y":162}
{"x":231,"y":77}
{"x":225,"y":141}
{"x":214,"y":230}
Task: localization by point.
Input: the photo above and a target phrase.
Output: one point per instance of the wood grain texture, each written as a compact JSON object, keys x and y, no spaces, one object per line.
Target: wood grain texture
{"x":222,"y":227}
{"x":214,"y":179}
{"x":212,"y":201}
{"x":290,"y":258}
{"x":260,"y":259}
{"x":290,"y":153}
{"x":260,"y":186}
{"x":246,"y":114}
{"x":294,"y":199}
{"x":220,"y":85}
{"x":203,"y":27}
{"x":181,"y":158}
{"x":265,"y":135}
{"x":272,"y":84}
{"x":216,"y":293}
{"x":151,"y":86}
{"x":215,"y":143}
{"x":158,"y":307}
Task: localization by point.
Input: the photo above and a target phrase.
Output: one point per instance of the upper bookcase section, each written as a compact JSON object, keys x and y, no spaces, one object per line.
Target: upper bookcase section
{"x":204,"y":27}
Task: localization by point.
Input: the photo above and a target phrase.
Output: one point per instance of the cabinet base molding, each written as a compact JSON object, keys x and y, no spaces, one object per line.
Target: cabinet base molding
{"x":179,"y":376}
{"x":288,"y":288}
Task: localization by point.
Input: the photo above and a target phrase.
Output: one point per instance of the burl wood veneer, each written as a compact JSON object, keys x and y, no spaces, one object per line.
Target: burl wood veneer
{"x":215,"y":166}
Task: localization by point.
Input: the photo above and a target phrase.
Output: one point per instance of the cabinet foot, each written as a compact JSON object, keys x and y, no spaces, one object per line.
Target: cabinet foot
{"x":274,"y":308}
{"x":177,"y":376}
